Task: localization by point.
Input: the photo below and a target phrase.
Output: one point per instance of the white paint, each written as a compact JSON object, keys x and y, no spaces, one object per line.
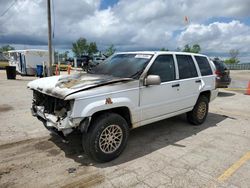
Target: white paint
{"x":146,"y":104}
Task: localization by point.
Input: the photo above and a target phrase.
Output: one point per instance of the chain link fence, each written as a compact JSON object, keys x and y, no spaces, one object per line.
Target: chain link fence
{"x":245,"y":66}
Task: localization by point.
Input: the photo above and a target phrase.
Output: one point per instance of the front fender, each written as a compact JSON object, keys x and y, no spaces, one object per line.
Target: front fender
{"x":97,"y":106}
{"x":85,"y":108}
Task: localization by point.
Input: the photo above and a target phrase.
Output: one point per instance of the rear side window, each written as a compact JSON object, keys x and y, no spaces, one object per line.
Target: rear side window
{"x":186,"y":66}
{"x":204,"y":65}
{"x":164,"y":67}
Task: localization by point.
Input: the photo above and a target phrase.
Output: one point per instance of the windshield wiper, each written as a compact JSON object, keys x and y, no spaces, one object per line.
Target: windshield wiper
{"x":137,"y":73}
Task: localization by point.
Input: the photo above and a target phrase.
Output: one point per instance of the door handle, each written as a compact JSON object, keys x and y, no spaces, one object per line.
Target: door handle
{"x":197,"y":81}
{"x":176,"y":85}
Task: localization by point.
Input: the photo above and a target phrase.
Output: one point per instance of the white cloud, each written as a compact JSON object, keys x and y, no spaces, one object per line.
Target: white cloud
{"x":218,"y":37}
{"x":130,"y":24}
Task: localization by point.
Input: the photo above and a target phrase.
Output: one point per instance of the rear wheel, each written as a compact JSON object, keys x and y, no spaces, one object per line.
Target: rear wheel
{"x":199,"y":113}
{"x":106,"y":138}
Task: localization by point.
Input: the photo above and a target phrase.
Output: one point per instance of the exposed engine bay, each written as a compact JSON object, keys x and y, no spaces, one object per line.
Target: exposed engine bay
{"x":52,"y":105}
{"x":54,"y":113}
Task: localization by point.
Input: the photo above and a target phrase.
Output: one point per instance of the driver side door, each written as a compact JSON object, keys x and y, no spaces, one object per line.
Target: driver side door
{"x":156,"y":101}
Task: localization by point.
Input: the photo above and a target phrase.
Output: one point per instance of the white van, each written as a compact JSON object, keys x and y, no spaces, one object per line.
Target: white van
{"x":27,"y":60}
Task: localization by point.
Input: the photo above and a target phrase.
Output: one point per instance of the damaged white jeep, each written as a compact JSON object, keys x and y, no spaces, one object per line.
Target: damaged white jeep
{"x":128,"y":90}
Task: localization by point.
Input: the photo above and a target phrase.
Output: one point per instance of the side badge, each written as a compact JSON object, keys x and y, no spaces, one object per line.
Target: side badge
{"x":108,"y":101}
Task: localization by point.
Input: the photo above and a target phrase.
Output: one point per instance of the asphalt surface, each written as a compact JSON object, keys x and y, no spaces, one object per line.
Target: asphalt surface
{"x":169,"y":153}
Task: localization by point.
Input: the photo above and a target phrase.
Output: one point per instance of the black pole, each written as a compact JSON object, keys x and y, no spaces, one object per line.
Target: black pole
{"x":49,"y":38}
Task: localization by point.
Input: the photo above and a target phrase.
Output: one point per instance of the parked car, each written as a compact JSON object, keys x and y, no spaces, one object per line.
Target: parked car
{"x":223,"y":78}
{"x":98,"y":59}
{"x":94,"y":61}
{"x":83,"y":62}
{"x":128,"y":90}
{"x":63,"y":66}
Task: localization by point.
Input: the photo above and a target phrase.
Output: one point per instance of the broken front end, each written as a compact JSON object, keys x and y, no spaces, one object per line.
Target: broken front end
{"x":55,"y":113}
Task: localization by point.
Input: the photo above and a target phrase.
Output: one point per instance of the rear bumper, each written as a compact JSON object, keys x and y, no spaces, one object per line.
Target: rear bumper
{"x":221,"y":83}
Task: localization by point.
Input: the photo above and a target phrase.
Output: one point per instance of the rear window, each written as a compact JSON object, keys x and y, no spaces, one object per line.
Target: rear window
{"x":186,"y":66}
{"x":220,"y":65}
{"x":204,"y":65}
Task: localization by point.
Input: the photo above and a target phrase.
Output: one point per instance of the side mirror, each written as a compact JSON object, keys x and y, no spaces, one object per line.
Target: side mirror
{"x":152,"y":80}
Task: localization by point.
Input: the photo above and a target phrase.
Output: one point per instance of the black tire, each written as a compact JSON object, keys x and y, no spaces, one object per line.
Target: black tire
{"x":91,"y":139}
{"x":195,"y":117}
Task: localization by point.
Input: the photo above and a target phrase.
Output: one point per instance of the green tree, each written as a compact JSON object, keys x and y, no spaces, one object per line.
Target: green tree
{"x":92,"y":48}
{"x":65,"y":54}
{"x":6,"y":48}
{"x":178,"y":49}
{"x":196,"y":48}
{"x":230,"y":61}
{"x":164,"y":49}
{"x":187,"y":48}
{"x":80,"y":47}
{"x":110,"y":50}
{"x":233,"y":53}
{"x":56,"y":54}
{"x":61,"y":56}
{"x":193,"y":49}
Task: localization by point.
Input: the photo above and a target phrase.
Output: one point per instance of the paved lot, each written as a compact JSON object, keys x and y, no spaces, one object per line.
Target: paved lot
{"x":170,"y":153}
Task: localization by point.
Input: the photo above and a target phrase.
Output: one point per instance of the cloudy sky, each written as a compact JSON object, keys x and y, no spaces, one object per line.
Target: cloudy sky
{"x":217,"y":26}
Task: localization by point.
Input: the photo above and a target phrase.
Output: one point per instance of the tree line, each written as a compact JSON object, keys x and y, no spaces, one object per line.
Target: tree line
{"x":233,"y":53}
{"x":82,"y":47}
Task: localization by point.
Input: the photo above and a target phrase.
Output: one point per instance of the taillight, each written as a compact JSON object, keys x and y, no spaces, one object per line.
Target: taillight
{"x":218,"y":73}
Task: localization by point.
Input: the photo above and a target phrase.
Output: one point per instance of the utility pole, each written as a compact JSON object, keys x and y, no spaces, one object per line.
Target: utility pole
{"x":49,"y":38}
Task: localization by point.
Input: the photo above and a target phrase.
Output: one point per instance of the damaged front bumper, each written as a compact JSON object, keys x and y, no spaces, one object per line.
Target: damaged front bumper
{"x":62,"y":126}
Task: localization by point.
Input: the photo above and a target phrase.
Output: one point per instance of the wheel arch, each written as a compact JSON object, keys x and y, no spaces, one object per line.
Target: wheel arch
{"x":122,"y":111}
{"x":206,"y":94}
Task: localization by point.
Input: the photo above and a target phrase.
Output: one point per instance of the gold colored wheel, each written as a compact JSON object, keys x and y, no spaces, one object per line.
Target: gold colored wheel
{"x":110,"y":139}
{"x":202,"y":110}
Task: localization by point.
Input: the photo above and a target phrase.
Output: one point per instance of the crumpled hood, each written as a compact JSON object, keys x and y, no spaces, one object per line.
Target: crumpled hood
{"x":62,"y":86}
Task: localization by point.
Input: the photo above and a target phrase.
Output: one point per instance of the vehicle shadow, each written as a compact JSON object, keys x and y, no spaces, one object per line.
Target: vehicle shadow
{"x":225,"y":94}
{"x":143,"y":140}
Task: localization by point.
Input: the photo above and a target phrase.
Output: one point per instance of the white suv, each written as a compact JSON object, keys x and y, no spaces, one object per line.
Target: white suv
{"x":128,"y":90}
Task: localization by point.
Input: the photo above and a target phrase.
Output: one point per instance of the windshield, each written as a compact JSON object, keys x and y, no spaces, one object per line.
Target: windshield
{"x":123,"y":65}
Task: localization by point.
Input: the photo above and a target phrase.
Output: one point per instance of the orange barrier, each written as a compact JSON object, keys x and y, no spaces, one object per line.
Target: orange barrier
{"x":57,"y":70}
{"x":248,"y":89}
{"x":69,"y":67}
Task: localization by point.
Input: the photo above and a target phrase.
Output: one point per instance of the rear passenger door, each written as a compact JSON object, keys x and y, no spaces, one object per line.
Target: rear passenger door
{"x":189,"y":81}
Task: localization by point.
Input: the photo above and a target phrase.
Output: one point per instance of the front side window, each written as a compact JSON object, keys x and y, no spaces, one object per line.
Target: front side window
{"x":204,"y":65}
{"x":164,"y":67}
{"x":186,"y":66}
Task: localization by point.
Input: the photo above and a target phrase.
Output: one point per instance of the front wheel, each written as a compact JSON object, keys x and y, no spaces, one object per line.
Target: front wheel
{"x":199,"y":113}
{"x":106,"y":138}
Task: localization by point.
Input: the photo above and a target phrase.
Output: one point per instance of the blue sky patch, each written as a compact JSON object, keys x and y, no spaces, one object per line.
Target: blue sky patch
{"x":107,"y":3}
{"x":245,"y":20}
